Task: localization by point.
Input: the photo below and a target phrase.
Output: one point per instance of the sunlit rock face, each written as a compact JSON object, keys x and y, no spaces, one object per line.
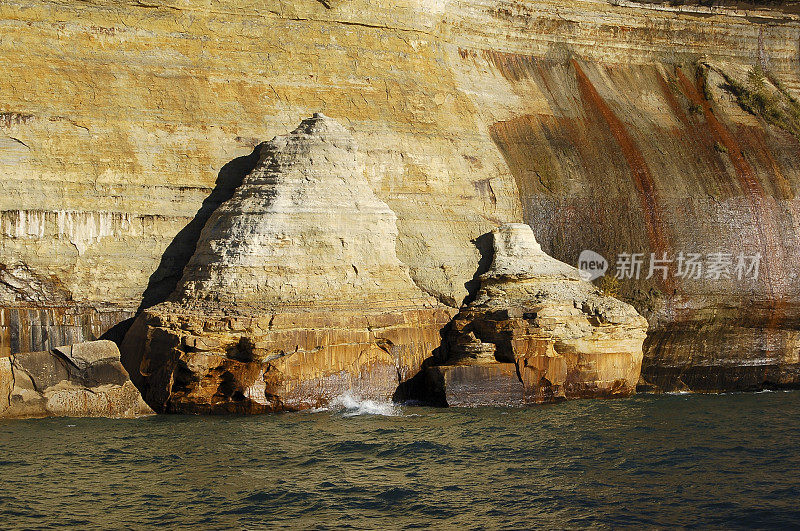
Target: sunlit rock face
{"x":609,"y":126}
{"x":294,"y":295}
{"x":679,"y":170}
{"x":81,"y":380}
{"x":537,"y":333}
{"x":303,"y":229}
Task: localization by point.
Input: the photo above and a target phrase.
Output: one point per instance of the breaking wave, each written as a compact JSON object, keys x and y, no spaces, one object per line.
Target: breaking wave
{"x":351,"y":405}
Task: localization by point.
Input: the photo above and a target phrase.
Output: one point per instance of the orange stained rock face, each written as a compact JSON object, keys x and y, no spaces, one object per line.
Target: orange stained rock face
{"x":118,"y":122}
{"x":763,"y":217}
{"x":296,"y":364}
{"x":533,"y":315}
{"x":643,"y":164}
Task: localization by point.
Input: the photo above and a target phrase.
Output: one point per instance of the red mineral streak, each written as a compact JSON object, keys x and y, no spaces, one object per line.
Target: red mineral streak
{"x":698,"y":140}
{"x":757,"y":143}
{"x":640,"y":172}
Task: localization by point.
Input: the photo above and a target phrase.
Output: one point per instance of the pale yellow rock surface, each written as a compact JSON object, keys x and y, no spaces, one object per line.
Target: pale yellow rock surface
{"x":294,"y":295}
{"x":303,"y":229}
{"x":118,"y":116}
{"x":118,"y":121}
{"x":139,"y":109}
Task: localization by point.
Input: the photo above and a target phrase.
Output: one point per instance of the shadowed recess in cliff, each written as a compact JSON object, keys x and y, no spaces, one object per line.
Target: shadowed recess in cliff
{"x":165,"y":278}
{"x":417,"y":389}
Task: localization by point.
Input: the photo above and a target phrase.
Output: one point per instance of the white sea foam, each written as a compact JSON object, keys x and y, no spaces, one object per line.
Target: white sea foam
{"x":351,"y":405}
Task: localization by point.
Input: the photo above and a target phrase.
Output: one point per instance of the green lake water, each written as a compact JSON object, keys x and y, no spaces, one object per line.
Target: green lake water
{"x":729,"y":460}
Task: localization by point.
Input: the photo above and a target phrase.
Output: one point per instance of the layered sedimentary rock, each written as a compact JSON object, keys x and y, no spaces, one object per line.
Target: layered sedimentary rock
{"x":537,"y":333}
{"x":294,"y":295}
{"x":81,"y":380}
{"x":678,"y":150}
{"x":609,"y":126}
{"x":680,"y":171}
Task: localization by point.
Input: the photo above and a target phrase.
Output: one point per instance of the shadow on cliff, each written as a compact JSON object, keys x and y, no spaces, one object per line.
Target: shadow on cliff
{"x":486,"y":248}
{"x":418,"y":388}
{"x":165,"y":278}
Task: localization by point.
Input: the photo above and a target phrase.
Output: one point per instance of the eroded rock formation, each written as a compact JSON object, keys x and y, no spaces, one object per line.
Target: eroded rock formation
{"x":294,"y":295}
{"x":81,"y":380}
{"x":537,"y":332}
{"x":611,"y":126}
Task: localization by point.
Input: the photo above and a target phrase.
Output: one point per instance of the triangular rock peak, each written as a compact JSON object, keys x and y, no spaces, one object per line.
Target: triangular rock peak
{"x":303,"y":229}
{"x":294,"y":294}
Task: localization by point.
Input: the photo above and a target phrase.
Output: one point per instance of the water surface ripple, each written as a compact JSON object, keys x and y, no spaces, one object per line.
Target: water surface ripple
{"x":712,"y":461}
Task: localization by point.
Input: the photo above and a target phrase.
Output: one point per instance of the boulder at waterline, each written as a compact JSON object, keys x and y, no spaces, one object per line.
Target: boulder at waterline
{"x":81,"y":380}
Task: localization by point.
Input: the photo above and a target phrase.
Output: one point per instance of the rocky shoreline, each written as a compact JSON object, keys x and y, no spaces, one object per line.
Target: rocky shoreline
{"x":537,"y":333}
{"x":295,"y":296}
{"x":81,"y":380}
{"x":622,"y":128}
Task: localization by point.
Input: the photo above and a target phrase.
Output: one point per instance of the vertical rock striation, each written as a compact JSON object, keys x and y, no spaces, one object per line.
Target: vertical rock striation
{"x":537,"y":333}
{"x":681,"y":171}
{"x":294,"y":294}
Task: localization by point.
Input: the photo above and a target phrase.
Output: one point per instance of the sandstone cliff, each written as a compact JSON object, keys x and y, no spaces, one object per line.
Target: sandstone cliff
{"x":537,"y":333}
{"x":616,"y":127}
{"x":294,"y":295}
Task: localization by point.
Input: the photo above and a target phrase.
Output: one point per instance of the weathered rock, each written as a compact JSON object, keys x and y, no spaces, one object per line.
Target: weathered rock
{"x":604,"y":125}
{"x":536,"y":333}
{"x":682,"y":170}
{"x":294,"y":295}
{"x":81,"y":380}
